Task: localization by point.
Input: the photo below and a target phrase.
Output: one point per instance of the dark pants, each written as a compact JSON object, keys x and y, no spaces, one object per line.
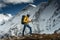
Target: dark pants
{"x":26,"y":25}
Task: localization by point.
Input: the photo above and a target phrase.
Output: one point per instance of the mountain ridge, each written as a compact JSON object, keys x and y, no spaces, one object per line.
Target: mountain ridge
{"x":45,"y":16}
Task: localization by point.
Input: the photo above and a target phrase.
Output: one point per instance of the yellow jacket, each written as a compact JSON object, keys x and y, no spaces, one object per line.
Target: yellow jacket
{"x":26,"y":20}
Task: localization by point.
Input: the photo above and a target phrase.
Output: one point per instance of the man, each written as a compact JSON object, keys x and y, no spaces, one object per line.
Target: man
{"x":25,"y":22}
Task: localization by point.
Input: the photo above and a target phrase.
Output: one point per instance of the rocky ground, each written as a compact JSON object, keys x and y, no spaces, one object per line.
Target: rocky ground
{"x":35,"y":37}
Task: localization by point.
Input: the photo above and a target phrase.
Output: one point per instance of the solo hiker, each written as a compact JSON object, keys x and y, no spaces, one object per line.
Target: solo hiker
{"x":25,"y":21}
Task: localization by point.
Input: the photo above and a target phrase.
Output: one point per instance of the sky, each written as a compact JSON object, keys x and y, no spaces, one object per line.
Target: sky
{"x":14,"y":6}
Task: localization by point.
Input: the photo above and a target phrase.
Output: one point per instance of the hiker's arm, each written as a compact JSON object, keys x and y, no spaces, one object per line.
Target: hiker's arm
{"x":30,"y":20}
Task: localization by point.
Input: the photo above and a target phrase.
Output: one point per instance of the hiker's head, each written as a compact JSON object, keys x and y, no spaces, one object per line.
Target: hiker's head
{"x":28,"y":15}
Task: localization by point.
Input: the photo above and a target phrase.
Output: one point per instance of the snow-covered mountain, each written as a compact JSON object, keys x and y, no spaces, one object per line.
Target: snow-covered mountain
{"x":46,"y":16}
{"x":4,"y":18}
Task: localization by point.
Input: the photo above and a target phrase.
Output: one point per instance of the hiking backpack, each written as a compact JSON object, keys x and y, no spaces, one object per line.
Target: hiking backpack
{"x":22,"y":22}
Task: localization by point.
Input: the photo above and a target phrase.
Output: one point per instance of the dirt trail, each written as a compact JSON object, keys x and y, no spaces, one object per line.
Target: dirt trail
{"x":36,"y":37}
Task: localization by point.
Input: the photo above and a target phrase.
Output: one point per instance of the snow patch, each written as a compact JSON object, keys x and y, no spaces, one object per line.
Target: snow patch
{"x":4,"y":18}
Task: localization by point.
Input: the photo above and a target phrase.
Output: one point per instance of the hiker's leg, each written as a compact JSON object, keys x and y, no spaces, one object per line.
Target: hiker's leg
{"x":30,"y":29}
{"x":23,"y":30}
